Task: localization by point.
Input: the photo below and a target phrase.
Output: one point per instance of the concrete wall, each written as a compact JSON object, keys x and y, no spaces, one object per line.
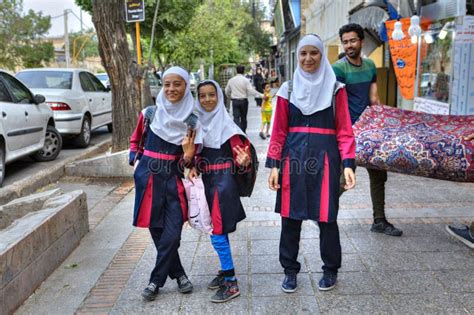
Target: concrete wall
{"x":108,"y":165}
{"x":33,"y":246}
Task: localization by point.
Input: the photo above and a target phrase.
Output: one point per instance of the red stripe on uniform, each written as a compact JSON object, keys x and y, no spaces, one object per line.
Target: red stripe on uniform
{"x":144,"y":214}
{"x":216,"y":167}
{"x":285,"y":189}
{"x":216,"y":215}
{"x":161,"y":156}
{"x":182,"y":199}
{"x":324,"y":203}
{"x":323,"y":131}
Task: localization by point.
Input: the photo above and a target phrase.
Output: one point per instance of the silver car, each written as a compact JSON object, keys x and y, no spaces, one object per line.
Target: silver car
{"x":27,"y":126}
{"x":80,"y":102}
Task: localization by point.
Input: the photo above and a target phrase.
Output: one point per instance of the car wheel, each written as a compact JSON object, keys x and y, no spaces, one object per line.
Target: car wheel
{"x":53,"y":143}
{"x":110,"y":127}
{"x":84,"y":138}
{"x":2,"y":164}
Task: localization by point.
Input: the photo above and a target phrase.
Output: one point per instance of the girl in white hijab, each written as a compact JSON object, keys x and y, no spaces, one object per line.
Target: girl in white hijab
{"x":164,"y":147}
{"x":312,"y":136}
{"x":225,"y":151}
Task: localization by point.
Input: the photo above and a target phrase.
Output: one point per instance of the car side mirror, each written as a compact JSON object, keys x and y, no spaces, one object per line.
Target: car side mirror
{"x":108,"y":88}
{"x":38,"y":99}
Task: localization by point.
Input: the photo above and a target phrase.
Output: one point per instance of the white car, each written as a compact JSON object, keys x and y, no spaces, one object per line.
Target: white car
{"x":80,"y":102}
{"x":26,"y":125}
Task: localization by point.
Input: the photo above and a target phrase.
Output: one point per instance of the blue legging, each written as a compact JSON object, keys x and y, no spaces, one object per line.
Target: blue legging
{"x":222,"y":246}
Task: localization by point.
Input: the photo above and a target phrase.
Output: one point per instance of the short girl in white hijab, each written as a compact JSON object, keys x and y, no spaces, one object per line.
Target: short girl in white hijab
{"x":225,"y":151}
{"x":312,"y":136}
{"x":159,"y":151}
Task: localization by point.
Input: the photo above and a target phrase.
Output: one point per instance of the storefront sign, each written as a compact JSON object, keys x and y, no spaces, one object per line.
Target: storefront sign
{"x":465,"y":31}
{"x":135,"y":10}
{"x":430,"y":106}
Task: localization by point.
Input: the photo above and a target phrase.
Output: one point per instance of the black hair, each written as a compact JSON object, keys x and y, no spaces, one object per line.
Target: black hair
{"x":352,"y":27}
{"x":204,"y":83}
{"x":240,"y":69}
{"x":265,"y":84}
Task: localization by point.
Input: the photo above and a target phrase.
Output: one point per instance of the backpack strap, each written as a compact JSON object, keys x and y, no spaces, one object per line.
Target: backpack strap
{"x":150,"y":114}
{"x":290,"y":89}
{"x":337,"y":86}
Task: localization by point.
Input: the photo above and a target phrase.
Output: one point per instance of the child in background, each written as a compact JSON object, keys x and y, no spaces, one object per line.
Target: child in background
{"x":266,"y":111}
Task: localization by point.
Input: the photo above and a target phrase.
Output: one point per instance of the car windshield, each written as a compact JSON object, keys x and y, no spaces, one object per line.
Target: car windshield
{"x":46,"y":79}
{"x":102,"y":76}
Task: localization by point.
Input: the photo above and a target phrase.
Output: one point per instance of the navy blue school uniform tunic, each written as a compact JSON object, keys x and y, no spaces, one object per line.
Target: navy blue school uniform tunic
{"x":308,"y":150}
{"x":158,"y":176}
{"x":218,"y":167}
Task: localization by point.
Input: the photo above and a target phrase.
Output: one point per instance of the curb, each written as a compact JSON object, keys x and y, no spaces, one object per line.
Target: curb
{"x":49,"y":175}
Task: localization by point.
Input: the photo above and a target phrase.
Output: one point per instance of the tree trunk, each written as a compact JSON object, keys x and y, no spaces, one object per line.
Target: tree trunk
{"x":109,"y":21}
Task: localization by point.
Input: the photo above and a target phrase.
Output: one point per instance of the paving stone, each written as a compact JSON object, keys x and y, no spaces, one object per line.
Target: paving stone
{"x":350,"y":262}
{"x":349,"y":283}
{"x":209,"y":265}
{"x":237,"y":247}
{"x":241,"y":234}
{"x":187,"y":249}
{"x":190,"y":235}
{"x":440,"y":243}
{"x":457,"y":280}
{"x":271,"y":264}
{"x":379,"y":242}
{"x":407,"y":282}
{"x":457,"y":260}
{"x":265,"y":247}
{"x":353,"y":304}
{"x":426,"y":230}
{"x":467,"y":301}
{"x":285,"y":305}
{"x":198,"y":301}
{"x":426,"y":304}
{"x":264,"y":232}
{"x":393,"y":261}
{"x":270,"y":285}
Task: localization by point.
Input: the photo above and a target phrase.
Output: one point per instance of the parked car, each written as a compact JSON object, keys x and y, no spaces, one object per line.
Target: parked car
{"x":104,"y":78}
{"x":80,"y":102}
{"x":27,"y":125}
{"x":153,"y":79}
{"x":194,"y":80}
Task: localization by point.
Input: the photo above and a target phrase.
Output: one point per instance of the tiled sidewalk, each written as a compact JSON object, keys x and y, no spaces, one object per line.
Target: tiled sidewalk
{"x":424,"y":271}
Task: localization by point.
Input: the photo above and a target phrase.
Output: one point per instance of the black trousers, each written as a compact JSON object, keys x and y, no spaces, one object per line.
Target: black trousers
{"x":377,"y":180}
{"x":167,"y":241}
{"x":329,"y":244}
{"x":240,"y":107}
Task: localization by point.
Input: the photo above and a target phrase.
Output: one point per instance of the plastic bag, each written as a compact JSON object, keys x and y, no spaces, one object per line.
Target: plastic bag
{"x":199,"y":216}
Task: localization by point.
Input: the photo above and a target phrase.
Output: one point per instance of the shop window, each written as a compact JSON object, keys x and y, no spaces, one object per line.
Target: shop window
{"x":435,"y":73}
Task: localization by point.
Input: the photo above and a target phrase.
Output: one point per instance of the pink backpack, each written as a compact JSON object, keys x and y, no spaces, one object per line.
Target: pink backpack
{"x":199,"y":216}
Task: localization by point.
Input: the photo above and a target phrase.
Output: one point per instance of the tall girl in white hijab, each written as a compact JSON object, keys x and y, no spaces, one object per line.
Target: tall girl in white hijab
{"x":160,"y":202}
{"x":225,"y":151}
{"x":311,"y":138}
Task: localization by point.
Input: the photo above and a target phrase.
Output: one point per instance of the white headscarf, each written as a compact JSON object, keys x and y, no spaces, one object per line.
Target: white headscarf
{"x":168,"y":122}
{"x":217,"y":126}
{"x":312,"y":92}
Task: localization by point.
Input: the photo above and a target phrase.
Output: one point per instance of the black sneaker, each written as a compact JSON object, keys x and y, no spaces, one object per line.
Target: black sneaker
{"x":217,"y":282}
{"x":386,"y":228}
{"x":184,"y":285}
{"x":463,"y":234}
{"x":262,"y":135}
{"x":150,"y":292}
{"x":327,"y":282}
{"x":289,"y":283}
{"x":227,"y":291}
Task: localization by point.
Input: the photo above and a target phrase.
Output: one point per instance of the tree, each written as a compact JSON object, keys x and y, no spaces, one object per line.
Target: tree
{"x":108,"y":18}
{"x":21,"y":43}
{"x":83,"y":45}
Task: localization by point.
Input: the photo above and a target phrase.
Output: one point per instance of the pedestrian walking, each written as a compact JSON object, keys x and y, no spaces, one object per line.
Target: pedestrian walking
{"x":360,"y":78}
{"x":239,"y":90}
{"x":160,"y":201}
{"x":266,"y":112}
{"x":259,"y":82}
{"x":310,"y":137}
{"x":225,"y":151}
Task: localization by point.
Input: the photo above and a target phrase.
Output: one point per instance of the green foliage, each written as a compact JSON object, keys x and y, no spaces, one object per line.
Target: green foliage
{"x":84,"y":45}
{"x":20,"y":36}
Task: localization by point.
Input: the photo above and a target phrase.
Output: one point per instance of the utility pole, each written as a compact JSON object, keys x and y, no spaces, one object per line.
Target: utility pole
{"x":66,"y":39}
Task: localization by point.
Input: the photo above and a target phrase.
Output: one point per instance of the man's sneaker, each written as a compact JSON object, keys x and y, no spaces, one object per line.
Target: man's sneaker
{"x":463,"y":234}
{"x":150,"y":292}
{"x":184,"y":285}
{"x":262,"y":135}
{"x":327,"y":282}
{"x":226,"y":292}
{"x":289,"y":283}
{"x":217,"y":282}
{"x":386,"y":228}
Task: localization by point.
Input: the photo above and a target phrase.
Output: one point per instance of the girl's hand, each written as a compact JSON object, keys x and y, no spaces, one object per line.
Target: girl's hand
{"x":188,"y":145}
{"x":273,"y":179}
{"x":243,"y":157}
{"x":469,"y":138}
{"x":193,"y":173}
{"x":350,"y":178}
